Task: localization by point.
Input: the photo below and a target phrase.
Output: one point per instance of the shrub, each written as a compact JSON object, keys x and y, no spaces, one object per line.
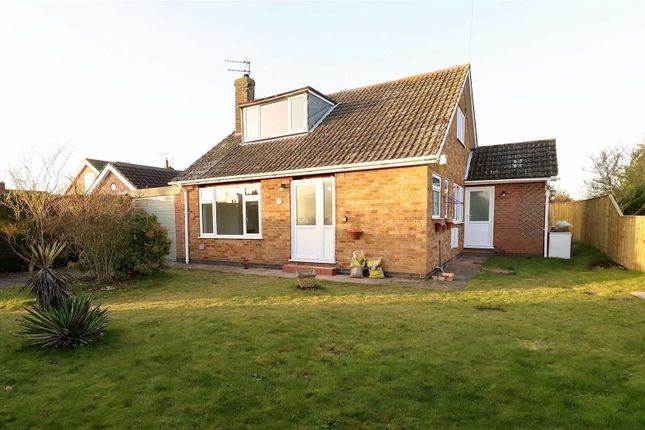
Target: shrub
{"x":148,"y":245}
{"x":112,"y":237}
{"x":73,"y":323}
{"x":49,"y":286}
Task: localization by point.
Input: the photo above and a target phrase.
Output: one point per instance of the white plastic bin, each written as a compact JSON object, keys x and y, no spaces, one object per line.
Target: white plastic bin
{"x":560,"y":245}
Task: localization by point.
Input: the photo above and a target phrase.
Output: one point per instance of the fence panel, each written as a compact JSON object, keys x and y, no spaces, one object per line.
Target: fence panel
{"x":600,"y":223}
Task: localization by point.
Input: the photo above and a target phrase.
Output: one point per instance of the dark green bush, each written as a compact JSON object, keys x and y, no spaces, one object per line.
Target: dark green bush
{"x":9,"y":261}
{"x":73,"y":323}
{"x":147,"y":248}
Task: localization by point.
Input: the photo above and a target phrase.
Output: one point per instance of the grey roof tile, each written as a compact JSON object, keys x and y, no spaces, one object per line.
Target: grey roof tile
{"x":522,"y":160}
{"x":392,"y":120}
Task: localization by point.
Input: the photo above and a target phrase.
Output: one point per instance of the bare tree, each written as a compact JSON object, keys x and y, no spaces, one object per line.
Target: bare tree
{"x":561,"y":196}
{"x":608,"y":170}
{"x":38,"y":183}
{"x":98,"y":227}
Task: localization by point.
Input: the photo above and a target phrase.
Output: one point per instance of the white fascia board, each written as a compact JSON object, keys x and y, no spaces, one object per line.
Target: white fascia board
{"x":373,"y":165}
{"x":511,"y":181}
{"x":108,"y":168}
{"x":321,"y":97}
{"x":470,"y":156}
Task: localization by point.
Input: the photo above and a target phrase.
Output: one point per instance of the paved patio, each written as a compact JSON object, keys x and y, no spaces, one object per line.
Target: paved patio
{"x":465,"y":267}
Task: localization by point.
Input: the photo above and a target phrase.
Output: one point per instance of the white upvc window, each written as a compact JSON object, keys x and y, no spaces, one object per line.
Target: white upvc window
{"x":230,"y":211}
{"x":446,"y":199}
{"x":436,"y":196}
{"x":275,"y":119}
{"x":458,"y":197}
{"x":461,"y":126}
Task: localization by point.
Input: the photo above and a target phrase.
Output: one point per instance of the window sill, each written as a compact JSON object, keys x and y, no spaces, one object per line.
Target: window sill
{"x":209,"y":236}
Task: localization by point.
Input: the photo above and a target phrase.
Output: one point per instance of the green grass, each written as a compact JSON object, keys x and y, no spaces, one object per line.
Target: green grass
{"x":564,"y":349}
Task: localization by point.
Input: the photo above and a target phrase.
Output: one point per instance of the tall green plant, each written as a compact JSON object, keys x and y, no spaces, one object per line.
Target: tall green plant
{"x":49,"y":286}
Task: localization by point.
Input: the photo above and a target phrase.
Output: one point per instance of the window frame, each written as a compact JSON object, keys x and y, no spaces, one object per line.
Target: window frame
{"x":458,"y":203}
{"x":290,"y":130}
{"x":446,"y":198}
{"x":461,"y":126}
{"x":213,"y":200}
{"x":436,"y":212}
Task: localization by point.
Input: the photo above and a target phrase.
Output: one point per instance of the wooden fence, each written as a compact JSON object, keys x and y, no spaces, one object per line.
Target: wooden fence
{"x":601,"y":223}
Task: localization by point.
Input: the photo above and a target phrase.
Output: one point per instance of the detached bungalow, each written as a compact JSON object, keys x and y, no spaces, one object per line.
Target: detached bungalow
{"x":147,"y":185}
{"x":393,"y":169}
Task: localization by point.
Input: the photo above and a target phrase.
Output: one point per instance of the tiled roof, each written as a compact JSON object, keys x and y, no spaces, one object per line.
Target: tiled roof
{"x":388,"y":121}
{"x":145,"y":176}
{"x":535,"y":159}
{"x":97,"y":164}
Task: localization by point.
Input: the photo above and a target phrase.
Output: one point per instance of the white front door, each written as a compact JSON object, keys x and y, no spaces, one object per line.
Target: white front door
{"x":312,"y":220}
{"x":478,"y":231}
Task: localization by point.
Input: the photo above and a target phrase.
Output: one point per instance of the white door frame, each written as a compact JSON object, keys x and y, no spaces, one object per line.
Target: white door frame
{"x":325,"y":230}
{"x":491,"y":216}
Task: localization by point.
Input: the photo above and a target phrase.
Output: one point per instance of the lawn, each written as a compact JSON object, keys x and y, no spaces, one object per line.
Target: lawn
{"x":553,"y":344}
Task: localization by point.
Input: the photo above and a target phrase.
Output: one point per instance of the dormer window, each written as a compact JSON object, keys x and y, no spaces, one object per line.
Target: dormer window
{"x":283,"y":116}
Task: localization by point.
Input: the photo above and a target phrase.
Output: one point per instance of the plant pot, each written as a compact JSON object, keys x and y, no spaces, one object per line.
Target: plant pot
{"x":307,"y":279}
{"x":355,"y":234}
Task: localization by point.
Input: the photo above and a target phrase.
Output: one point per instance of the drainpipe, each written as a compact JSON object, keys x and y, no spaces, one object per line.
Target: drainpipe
{"x":186,"y":239}
{"x":546,"y":220}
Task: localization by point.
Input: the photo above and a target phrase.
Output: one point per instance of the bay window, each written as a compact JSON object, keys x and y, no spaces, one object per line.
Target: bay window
{"x":231,"y":211}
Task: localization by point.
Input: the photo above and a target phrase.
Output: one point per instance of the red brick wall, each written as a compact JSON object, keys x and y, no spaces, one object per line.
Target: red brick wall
{"x":105,"y":185}
{"x":519,"y":218}
{"x":390,"y":207}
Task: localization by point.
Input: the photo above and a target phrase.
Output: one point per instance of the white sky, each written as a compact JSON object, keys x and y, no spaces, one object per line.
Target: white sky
{"x":129,"y":81}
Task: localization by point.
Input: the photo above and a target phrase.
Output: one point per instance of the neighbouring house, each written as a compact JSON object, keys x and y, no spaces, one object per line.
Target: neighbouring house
{"x":147,"y":185}
{"x":393,"y":169}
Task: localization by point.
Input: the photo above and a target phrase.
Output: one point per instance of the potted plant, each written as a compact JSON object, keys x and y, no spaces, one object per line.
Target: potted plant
{"x":355,"y":233}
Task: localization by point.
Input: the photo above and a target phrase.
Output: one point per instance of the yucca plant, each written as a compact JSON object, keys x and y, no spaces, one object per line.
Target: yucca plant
{"x":49,"y":286}
{"x":73,"y":323}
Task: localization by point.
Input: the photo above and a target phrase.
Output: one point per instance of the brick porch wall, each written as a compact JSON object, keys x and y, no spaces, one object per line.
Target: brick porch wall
{"x":519,"y":218}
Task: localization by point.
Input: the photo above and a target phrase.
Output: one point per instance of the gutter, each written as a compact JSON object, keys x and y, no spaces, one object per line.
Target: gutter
{"x":511,"y":181}
{"x":403,"y":162}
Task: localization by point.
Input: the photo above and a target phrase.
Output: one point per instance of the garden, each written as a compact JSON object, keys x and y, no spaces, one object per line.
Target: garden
{"x":531,"y":343}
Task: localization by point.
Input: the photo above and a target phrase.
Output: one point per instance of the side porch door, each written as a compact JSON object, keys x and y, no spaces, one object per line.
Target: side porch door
{"x":478,"y":229}
{"x":313,"y":230}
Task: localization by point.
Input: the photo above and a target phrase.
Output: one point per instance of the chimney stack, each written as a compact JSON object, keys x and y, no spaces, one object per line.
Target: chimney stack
{"x":244,"y":93}
{"x":166,"y":163}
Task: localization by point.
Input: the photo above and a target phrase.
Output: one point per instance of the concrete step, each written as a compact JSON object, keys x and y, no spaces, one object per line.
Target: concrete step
{"x":476,"y":251}
{"x":320,"y":270}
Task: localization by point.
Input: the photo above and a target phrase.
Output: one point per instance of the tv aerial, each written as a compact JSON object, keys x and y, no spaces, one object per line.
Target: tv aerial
{"x":245,"y":66}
